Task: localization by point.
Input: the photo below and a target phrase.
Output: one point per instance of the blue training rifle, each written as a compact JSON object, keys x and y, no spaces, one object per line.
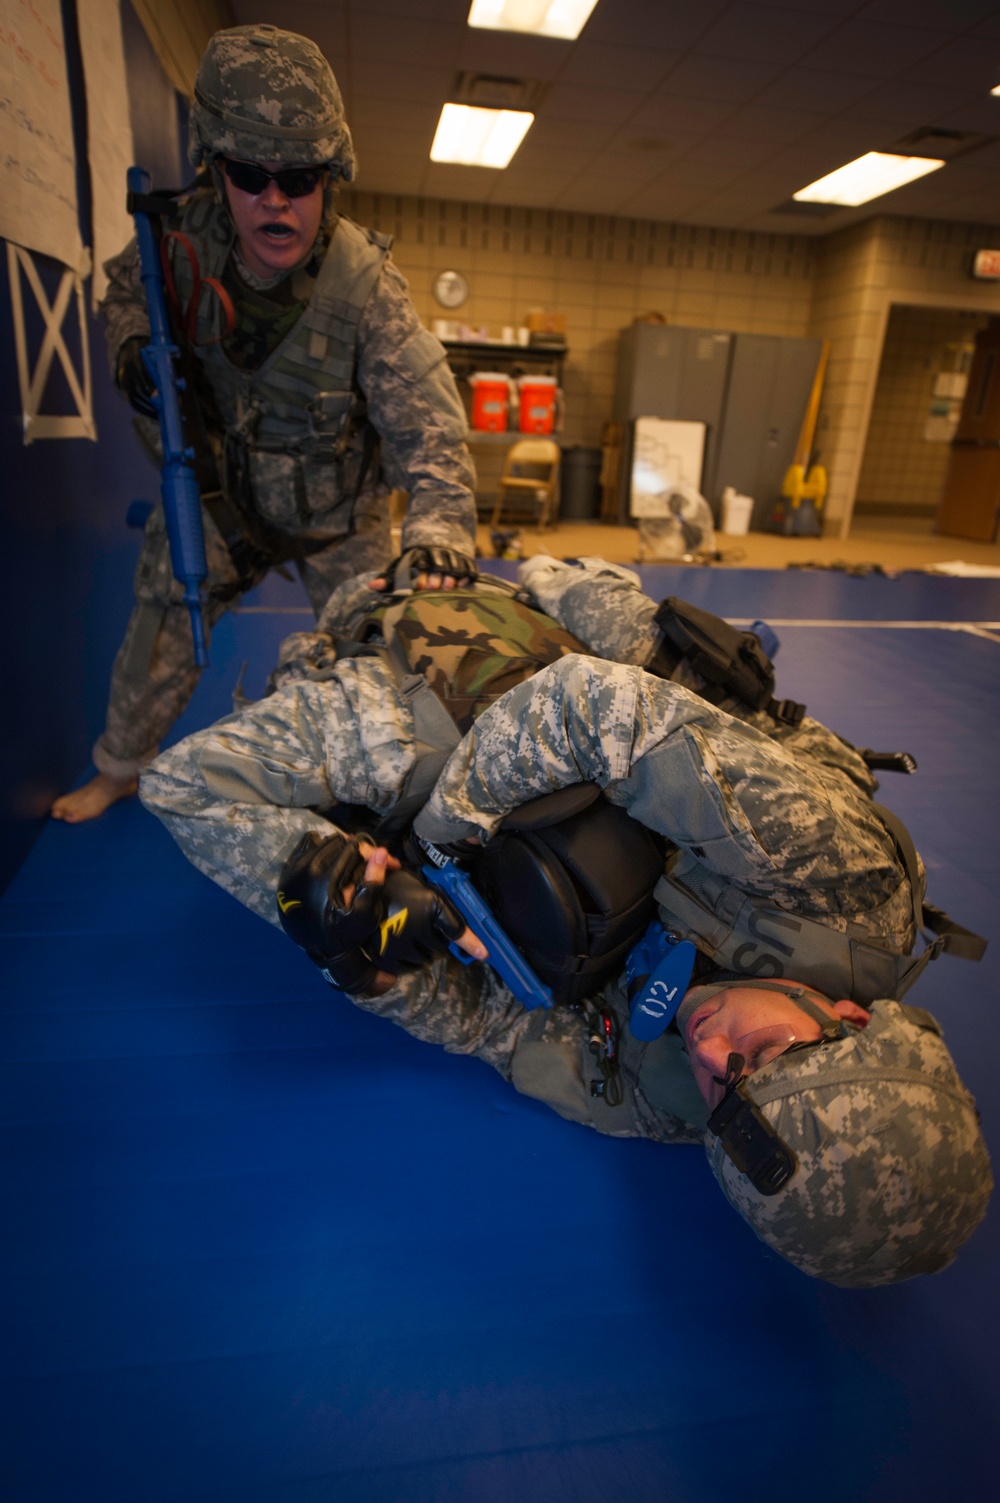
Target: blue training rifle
{"x":505,"y":958}
{"x":179,"y":488}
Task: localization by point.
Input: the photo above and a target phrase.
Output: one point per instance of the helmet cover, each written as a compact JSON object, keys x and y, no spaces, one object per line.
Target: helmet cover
{"x":267,"y":95}
{"x":893,"y":1174}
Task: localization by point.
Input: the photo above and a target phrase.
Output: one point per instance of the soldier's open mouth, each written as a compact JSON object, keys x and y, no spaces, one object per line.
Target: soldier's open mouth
{"x":277,"y":231}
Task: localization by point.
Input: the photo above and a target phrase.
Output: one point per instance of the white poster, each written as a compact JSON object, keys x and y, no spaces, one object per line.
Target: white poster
{"x":109,"y":130}
{"x":667,"y":453}
{"x":37,"y":162}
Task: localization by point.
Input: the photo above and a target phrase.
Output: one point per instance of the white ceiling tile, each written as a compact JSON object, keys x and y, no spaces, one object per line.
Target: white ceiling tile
{"x":574,"y":102}
{"x":766,"y":33}
{"x":932,"y":13}
{"x":874,"y":50}
{"x":820,"y":89}
{"x":907,"y":105}
{"x":760,"y":124}
{"x":670,"y":25}
{"x":720,"y":78}
{"x":665,"y":112}
{"x":423,"y":43}
{"x":616,"y":65}
{"x":962,"y":64}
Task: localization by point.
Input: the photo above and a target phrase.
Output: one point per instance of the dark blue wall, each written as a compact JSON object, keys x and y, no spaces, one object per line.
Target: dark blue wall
{"x":68,"y":556}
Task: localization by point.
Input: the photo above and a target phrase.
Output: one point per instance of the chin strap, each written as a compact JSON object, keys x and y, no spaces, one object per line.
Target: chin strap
{"x":747,"y":1137}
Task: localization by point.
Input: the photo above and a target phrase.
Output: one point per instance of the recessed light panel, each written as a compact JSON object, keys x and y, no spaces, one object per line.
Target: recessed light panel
{"x":543,"y":18}
{"x":870,"y":176}
{"x":478,"y":137}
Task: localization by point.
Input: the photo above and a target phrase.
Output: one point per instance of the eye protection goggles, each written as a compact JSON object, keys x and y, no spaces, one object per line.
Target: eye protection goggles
{"x":294,"y":182}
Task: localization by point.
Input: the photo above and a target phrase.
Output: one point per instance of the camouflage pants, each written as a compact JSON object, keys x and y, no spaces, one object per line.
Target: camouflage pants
{"x":154,"y":673}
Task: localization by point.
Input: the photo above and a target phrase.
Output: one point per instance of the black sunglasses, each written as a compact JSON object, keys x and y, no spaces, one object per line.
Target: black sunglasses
{"x":294,"y":182}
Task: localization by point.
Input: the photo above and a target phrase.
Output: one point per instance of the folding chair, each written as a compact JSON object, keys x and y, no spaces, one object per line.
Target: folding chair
{"x":531,"y":476}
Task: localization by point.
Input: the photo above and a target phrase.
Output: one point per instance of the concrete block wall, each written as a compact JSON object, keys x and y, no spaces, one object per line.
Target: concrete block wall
{"x":604,"y":271}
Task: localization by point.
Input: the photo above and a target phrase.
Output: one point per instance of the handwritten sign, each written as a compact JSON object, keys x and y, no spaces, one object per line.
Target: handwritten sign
{"x":37,"y":160}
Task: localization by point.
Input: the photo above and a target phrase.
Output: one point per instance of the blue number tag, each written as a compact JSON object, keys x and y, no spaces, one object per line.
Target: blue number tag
{"x":667,"y":965}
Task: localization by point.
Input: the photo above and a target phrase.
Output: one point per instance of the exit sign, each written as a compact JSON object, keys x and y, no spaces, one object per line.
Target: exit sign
{"x":986,"y":265}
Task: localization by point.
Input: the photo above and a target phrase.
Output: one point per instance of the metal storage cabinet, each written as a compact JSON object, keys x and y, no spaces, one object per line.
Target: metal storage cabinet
{"x":668,"y":371}
{"x":750,"y":390}
{"x":769,"y":383}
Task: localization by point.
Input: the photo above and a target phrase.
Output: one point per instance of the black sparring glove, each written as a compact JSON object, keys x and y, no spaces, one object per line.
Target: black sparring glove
{"x":402,"y":572}
{"x":394,"y":926}
{"x":132,"y":376}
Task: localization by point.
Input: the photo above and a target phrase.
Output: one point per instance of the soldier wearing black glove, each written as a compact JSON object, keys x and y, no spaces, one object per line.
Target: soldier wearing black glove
{"x":132,"y":376}
{"x":413,"y":569}
{"x":363,"y":921}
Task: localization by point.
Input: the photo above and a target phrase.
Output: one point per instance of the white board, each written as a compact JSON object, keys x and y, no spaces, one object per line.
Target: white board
{"x":666,"y":453}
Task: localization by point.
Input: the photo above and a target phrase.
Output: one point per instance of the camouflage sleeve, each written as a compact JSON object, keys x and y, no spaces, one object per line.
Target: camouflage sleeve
{"x":776,"y":825}
{"x":544,"y":1054}
{"x":604,"y":606}
{"x":414,"y":404}
{"x":124,"y":302}
{"x":239,"y":796}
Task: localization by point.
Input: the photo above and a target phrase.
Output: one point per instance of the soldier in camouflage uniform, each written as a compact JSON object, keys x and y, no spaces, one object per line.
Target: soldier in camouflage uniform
{"x":323,"y":389}
{"x":891,"y":1174}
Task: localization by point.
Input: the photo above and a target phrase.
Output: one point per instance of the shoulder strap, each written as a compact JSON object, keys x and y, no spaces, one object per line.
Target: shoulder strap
{"x":952,"y":938}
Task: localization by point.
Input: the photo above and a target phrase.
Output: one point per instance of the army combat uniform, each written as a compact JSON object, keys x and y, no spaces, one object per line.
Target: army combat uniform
{"x":319,"y":364}
{"x":753,"y":810}
{"x":891,"y":1172}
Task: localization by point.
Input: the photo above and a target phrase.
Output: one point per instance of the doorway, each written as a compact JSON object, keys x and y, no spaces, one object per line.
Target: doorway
{"x":921,"y":382}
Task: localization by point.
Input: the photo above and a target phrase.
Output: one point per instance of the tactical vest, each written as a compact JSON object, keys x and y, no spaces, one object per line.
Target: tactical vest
{"x":749,"y":937}
{"x":302,"y":398}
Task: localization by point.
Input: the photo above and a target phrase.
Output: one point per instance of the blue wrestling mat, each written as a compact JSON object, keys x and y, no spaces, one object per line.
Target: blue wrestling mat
{"x":261,"y":1248}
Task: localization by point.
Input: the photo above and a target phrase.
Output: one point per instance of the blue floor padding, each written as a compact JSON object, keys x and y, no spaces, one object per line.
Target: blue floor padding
{"x":258,"y":1247}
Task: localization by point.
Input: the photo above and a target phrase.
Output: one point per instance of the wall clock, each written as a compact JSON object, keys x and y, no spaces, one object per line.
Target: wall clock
{"x":450,"y":289}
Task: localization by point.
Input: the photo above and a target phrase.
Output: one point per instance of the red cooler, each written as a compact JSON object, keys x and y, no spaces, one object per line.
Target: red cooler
{"x":537,"y":395}
{"x":490,"y":398}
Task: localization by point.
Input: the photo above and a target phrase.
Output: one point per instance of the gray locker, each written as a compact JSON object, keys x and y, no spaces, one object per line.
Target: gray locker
{"x":667,"y":371}
{"x":750,"y":391}
{"x":770,"y":379}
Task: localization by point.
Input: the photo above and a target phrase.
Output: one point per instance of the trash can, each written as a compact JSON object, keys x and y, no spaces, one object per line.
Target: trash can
{"x":580,"y":489}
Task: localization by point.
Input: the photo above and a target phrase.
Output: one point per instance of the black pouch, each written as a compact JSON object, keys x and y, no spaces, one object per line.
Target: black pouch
{"x":573,"y":892}
{"x":730,"y":662}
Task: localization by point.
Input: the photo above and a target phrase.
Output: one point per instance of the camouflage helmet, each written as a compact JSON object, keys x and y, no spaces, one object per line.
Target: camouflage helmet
{"x":893,"y":1174}
{"x":268,"y":96}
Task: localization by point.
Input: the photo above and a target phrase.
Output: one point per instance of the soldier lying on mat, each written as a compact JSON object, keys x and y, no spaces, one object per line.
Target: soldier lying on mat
{"x":831,"y":1111}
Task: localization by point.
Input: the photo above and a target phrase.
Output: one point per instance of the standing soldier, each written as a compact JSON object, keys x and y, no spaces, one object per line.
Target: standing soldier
{"x":320,"y":388}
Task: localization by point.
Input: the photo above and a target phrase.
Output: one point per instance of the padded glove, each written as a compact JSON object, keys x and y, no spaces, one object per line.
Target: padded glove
{"x":132,"y":376}
{"x":402,"y":572}
{"x":418,"y":923}
{"x":394,"y":926}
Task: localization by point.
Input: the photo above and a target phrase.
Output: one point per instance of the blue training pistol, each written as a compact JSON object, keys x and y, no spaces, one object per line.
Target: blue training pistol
{"x":505,"y":958}
{"x":178,"y":483}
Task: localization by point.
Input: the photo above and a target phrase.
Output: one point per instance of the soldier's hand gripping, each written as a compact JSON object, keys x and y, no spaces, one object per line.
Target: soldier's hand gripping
{"x":428,"y":569}
{"x":361,"y":917}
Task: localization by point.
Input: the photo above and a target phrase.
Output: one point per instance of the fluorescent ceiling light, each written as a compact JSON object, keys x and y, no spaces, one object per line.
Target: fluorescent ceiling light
{"x":996,"y":90}
{"x":875,"y":173}
{"x":544,"y":18}
{"x":478,"y":137}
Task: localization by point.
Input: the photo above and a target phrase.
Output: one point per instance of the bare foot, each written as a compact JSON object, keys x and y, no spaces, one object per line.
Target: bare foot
{"x":92,"y":799}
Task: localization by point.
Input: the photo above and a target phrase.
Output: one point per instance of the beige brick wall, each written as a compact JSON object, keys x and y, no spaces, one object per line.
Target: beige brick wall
{"x":602,"y":272}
